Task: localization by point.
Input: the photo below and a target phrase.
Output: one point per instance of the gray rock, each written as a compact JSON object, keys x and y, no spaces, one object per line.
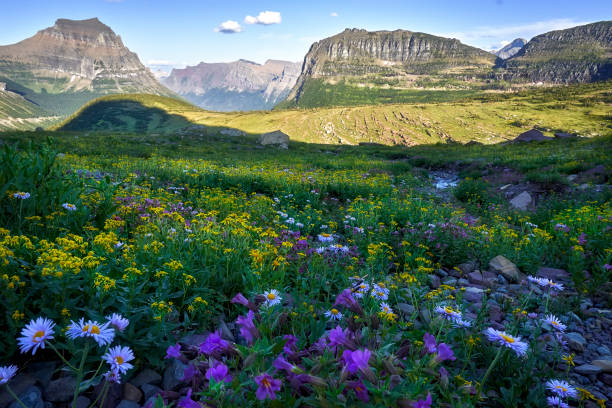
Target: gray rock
{"x":521,"y":201}
{"x":149,"y":403}
{"x":19,"y":384}
{"x":83,"y":402}
{"x":484,"y":278}
{"x":604,"y":351}
{"x":131,"y":393}
{"x":532,"y":135}
{"x":147,"y":376}
{"x":449,"y":281}
{"x":31,"y":398}
{"x":226,"y":333}
{"x":554,"y":274}
{"x":405,"y":308}
{"x":502,"y":265}
{"x":150,"y":391}
{"x":434,"y":281}
{"x":60,"y":390}
{"x":575,"y":341}
{"x":604,"y":363}
{"x":276,"y":138}
{"x":128,"y":404}
{"x":472,"y":294}
{"x":588,"y":369}
{"x":173,"y":375}
{"x":563,"y":135}
{"x":467,"y":267}
{"x":463,"y":282}
{"x":42,"y":371}
{"x":193,"y":340}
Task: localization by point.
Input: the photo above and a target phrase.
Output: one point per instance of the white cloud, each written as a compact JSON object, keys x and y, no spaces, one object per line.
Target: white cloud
{"x":504,"y":43}
{"x":228,"y":27}
{"x":333,"y":14}
{"x":159,"y":62}
{"x":485,"y":34}
{"x":265,"y":18}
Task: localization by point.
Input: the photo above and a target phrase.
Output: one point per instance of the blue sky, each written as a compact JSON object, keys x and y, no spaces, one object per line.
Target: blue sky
{"x":185,"y":32}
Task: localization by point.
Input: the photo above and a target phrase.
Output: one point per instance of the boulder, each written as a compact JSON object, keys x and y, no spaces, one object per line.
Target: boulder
{"x":588,"y":369}
{"x":484,"y":278}
{"x":173,"y":375}
{"x":532,"y":135}
{"x":507,"y":269}
{"x":554,"y":274}
{"x":147,"y":376}
{"x":575,"y":341}
{"x":605,"y":364}
{"x":563,"y":135}
{"x":131,"y":393}
{"x":60,"y":390}
{"x":276,"y":138}
{"x":31,"y":398}
{"x":521,"y":201}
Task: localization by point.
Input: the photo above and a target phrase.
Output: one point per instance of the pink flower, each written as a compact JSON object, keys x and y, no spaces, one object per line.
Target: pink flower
{"x":267,"y":387}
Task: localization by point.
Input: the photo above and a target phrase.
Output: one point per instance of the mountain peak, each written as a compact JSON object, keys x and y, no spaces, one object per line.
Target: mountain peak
{"x":511,"y":49}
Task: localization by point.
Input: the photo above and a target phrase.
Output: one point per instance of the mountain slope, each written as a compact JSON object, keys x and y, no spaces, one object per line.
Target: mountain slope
{"x":578,"y":54}
{"x":396,"y":60}
{"x":511,"y":49}
{"x":76,"y":60}
{"x":16,"y":112}
{"x":493,"y":119}
{"x":240,"y":85}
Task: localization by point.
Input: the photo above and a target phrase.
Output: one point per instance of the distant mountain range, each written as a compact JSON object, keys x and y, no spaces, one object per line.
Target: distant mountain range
{"x":64,"y":66}
{"x":509,"y":50}
{"x":232,"y":86}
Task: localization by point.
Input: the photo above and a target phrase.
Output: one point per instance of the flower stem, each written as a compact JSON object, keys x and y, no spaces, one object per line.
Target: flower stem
{"x":80,"y":374}
{"x":62,"y":357}
{"x":486,"y":375}
{"x":15,"y":396}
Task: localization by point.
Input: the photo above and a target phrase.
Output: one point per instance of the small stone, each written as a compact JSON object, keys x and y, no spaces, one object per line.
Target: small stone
{"x":405,"y":308}
{"x":554,"y":274}
{"x":575,"y":341}
{"x":83,"y":402}
{"x":192,"y":340}
{"x":131,"y":393}
{"x":434,"y":281}
{"x":588,"y":369}
{"x":19,"y":384}
{"x":495,"y":313}
{"x":484,"y":278}
{"x":147,"y":376}
{"x":42,"y":371}
{"x":501,"y":280}
{"x":502,"y":265}
{"x":604,"y":351}
{"x":472,"y":294}
{"x":31,"y":398}
{"x":522,"y":201}
{"x":173,"y":375}
{"x":463,"y":282}
{"x":449,"y":281}
{"x":606,"y":379}
{"x":128,"y":404}
{"x":604,"y":364}
{"x":150,"y":391}
{"x":60,"y":390}
{"x":467,"y":267}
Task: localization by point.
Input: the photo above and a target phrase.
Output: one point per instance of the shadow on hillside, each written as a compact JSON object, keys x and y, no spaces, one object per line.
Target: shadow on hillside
{"x":124,"y":116}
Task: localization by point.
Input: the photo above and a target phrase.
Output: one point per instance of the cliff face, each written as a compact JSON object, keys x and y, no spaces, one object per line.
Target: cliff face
{"x":239,"y":85}
{"x":578,"y":54}
{"x":509,"y":50}
{"x":360,"y":52}
{"x":77,"y":55}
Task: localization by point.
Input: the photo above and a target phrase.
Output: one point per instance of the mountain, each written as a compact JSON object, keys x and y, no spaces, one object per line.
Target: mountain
{"x":578,"y":54}
{"x":397,"y":60}
{"x":16,"y":112}
{"x":64,"y":66}
{"x":232,"y":86}
{"x":511,"y":49}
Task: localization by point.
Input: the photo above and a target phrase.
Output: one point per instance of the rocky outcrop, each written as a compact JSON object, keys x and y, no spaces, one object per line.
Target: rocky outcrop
{"x":360,"y":52}
{"x":578,"y":54}
{"x":239,"y":85}
{"x":77,"y":56}
{"x":509,"y":50}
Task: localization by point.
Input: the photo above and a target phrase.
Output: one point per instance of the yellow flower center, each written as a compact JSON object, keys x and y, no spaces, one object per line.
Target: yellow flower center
{"x":507,"y":338}
{"x":334,"y":311}
{"x":325,"y":235}
{"x":554,"y":323}
{"x":265,"y":382}
{"x":560,"y":387}
{"x":271,"y":296}
{"x":119,"y":360}
{"x":37,"y":336}
{"x":93,"y":330}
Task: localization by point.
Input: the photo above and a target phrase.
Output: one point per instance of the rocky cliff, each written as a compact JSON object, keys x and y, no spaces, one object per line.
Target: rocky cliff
{"x":511,"y":49}
{"x":239,"y":85}
{"x":356,"y":52}
{"x":76,"y":56}
{"x":578,"y":54}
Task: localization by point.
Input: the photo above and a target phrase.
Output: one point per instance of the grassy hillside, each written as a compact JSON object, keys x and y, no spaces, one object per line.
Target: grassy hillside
{"x":16,"y":112}
{"x":583,"y":109}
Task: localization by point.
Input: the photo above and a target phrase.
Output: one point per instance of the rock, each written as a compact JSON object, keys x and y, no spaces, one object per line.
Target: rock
{"x":19,"y":384}
{"x":604,"y":351}
{"x":173,"y":375}
{"x":434,"y":281}
{"x":501,"y":264}
{"x":472,"y":294}
{"x":406,"y":308}
{"x":484,"y":278}
{"x":83,"y":402}
{"x":276,"y":138}
{"x":463,"y":282}
{"x":226,"y":333}
{"x":449,"y":281}
{"x":131,"y":393}
{"x":467,"y":267}
{"x":563,"y":135}
{"x":150,"y":403}
{"x":606,"y":379}
{"x":575,"y":341}
{"x":42,"y":371}
{"x":148,"y":376}
{"x":128,"y":404}
{"x":150,"y":391}
{"x":605,"y":364}
{"x":588,"y":369}
{"x":60,"y":390}
{"x":495,"y":313}
{"x":554,"y":274}
{"x":532,"y":135}
{"x":31,"y":398}
{"x":192,"y":340}
{"x":521,"y":201}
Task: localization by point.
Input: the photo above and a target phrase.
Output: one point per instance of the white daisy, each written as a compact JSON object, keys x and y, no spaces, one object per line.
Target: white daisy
{"x":272,"y":298}
{"x":101,"y":333}
{"x":69,"y":207}
{"x":554,"y":323}
{"x":361,"y":289}
{"x":507,"y":340}
{"x":379,"y":292}
{"x":333,"y":314}
{"x":556,"y":402}
{"x":118,"y":358}
{"x":21,"y":195}
{"x":561,"y":388}
{"x":118,"y":322}
{"x":113,"y":376}
{"x":385,"y":308}
{"x":448,"y":313}
{"x":325,"y":237}
{"x":554,"y":285}
{"x":460,"y":323}
{"x":6,"y":373}
{"x":538,"y":281}
{"x":35,"y":334}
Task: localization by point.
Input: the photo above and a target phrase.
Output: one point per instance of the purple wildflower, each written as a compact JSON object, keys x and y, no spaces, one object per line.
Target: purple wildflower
{"x":426,"y":403}
{"x":267,"y":387}
{"x":240,"y":299}
{"x":444,"y":353}
{"x":361,"y":392}
{"x":582,"y":239}
{"x":187,"y":402}
{"x":173,"y":351}
{"x":247,"y":327}
{"x":338,"y":337}
{"x":290,"y":344}
{"x":356,"y":360}
{"x":282,"y":364}
{"x":345,"y":298}
{"x":218,"y":373}
{"x":214,"y":343}
{"x":430,"y":343}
